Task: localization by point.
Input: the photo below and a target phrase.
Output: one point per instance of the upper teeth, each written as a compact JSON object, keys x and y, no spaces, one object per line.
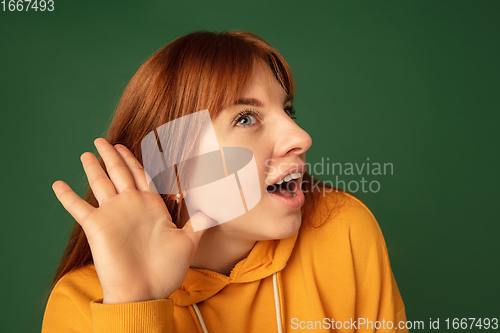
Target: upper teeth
{"x":290,"y":177}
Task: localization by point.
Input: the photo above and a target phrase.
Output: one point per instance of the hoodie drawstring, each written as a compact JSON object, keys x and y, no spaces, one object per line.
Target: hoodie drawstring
{"x":276,"y":302}
{"x":200,"y":318}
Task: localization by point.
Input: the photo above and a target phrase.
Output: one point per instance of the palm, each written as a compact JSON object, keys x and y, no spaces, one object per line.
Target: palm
{"x":138,"y":252}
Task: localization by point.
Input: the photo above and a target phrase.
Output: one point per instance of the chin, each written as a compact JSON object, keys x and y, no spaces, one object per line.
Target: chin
{"x":265,"y":223}
{"x":284,"y":227}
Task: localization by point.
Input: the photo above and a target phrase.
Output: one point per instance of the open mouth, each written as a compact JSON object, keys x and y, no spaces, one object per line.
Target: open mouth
{"x":286,"y":187}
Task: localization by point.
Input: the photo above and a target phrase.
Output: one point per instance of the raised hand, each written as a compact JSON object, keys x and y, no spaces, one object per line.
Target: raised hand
{"x":139,"y":253}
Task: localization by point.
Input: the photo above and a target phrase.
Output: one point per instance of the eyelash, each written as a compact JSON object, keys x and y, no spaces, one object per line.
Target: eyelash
{"x":290,"y":111}
{"x":243,"y":114}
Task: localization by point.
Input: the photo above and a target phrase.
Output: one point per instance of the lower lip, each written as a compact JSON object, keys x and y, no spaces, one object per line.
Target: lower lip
{"x":291,"y":203}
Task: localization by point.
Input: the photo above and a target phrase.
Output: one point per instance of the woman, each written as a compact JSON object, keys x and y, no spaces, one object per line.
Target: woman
{"x":304,"y":257}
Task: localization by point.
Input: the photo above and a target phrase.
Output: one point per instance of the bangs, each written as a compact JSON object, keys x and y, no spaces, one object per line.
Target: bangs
{"x":215,"y":68}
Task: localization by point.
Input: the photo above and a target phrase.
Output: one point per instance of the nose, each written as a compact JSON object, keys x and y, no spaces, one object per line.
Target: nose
{"x":291,"y":139}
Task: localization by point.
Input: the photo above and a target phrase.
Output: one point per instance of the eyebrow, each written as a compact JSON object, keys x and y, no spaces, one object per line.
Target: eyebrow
{"x":249,"y":101}
{"x":255,"y":102}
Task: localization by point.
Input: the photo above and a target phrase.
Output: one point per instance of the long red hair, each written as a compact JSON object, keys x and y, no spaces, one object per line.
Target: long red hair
{"x":202,"y":70}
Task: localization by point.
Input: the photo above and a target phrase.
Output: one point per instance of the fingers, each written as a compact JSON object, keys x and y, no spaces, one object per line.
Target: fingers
{"x":118,"y":170}
{"x":76,"y":206}
{"x":98,"y":180}
{"x":134,"y":166}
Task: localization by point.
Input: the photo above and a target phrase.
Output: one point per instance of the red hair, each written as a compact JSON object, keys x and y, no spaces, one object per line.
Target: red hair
{"x":202,"y":70}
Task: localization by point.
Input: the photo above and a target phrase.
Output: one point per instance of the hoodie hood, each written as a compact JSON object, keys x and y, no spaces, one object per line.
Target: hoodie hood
{"x":265,"y":259}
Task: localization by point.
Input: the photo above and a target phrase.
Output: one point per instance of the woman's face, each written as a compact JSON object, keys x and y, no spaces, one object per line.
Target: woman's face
{"x":262,"y":122}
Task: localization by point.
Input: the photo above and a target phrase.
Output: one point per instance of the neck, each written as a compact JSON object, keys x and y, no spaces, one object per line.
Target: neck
{"x":220,"y":251}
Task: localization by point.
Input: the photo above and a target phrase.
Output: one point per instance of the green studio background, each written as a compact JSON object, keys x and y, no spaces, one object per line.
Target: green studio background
{"x":412,"y":83}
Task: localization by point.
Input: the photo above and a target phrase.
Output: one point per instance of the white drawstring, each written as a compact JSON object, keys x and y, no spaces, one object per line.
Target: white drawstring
{"x":200,"y":318}
{"x":276,"y":301}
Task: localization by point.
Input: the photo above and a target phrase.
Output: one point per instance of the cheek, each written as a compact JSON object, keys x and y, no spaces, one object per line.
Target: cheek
{"x":264,"y":164}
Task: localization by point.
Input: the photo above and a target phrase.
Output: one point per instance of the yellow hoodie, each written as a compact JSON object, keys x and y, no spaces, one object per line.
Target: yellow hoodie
{"x":334,"y":273}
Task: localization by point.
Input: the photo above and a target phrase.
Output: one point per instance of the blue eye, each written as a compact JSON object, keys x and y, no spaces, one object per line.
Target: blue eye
{"x":246,"y":118}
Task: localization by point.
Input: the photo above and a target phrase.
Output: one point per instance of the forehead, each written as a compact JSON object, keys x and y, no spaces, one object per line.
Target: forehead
{"x":264,"y":85}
